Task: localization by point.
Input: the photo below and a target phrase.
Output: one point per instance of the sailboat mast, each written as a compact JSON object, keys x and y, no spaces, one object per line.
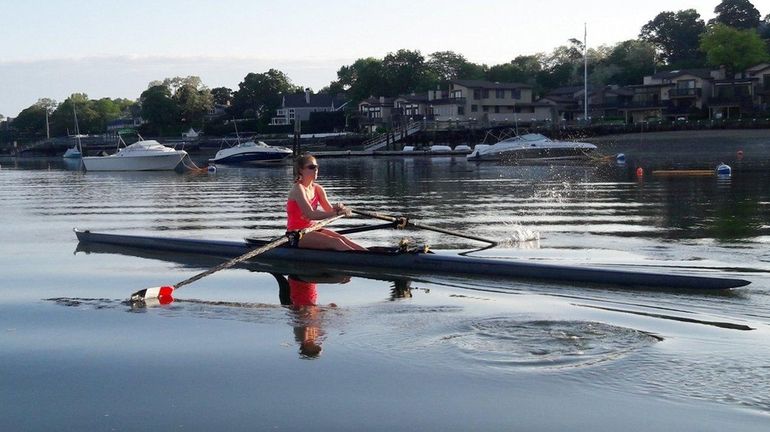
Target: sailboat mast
{"x":585,"y":72}
{"x":77,"y":127}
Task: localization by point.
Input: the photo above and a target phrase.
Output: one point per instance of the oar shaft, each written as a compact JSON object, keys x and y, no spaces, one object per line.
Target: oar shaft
{"x":381,"y":216}
{"x":364,"y":228}
{"x":251,"y":254}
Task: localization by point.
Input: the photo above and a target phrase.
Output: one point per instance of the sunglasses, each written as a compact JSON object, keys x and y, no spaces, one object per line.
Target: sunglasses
{"x":311,"y":167}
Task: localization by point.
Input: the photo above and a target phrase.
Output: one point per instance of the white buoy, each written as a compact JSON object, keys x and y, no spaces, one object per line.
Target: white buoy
{"x":724,"y":170}
{"x":212,"y":169}
{"x":620,"y":159}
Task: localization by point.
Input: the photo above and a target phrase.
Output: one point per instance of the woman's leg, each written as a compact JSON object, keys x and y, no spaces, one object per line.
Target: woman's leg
{"x":353,"y":245}
{"x":320,"y":240}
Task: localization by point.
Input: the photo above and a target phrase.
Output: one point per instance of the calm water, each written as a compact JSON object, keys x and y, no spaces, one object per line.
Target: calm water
{"x":426,"y":354}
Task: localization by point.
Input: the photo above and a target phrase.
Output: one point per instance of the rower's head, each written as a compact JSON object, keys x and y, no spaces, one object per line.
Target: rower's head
{"x":305,"y":165}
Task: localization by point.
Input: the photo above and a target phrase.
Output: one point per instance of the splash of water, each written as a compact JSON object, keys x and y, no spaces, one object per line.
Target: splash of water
{"x":516,"y":235}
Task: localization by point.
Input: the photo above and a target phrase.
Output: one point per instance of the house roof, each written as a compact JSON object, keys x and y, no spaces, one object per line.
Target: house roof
{"x":489,"y":84}
{"x":701,"y":73}
{"x":758,"y":68}
{"x":620,"y":91}
{"x":373,"y":101}
{"x":325,"y":100}
{"x":423,"y":97}
{"x":558,"y":99}
{"x":567,"y":90}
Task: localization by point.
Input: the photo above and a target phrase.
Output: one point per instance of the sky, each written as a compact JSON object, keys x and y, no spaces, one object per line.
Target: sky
{"x":51,"y":49}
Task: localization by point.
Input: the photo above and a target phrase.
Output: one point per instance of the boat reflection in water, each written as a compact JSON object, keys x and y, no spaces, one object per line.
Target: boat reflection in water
{"x":300,"y":293}
{"x":297,"y":290}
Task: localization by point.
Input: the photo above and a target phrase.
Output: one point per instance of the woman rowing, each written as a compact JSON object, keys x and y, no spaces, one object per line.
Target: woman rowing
{"x":302,"y":208}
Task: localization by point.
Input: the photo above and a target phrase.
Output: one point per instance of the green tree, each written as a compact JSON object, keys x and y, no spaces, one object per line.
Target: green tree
{"x":193,"y":103}
{"x":564,"y":66}
{"x":107,"y":110}
{"x":222,"y":95}
{"x":158,"y":107}
{"x":405,"y":71}
{"x":522,"y":69}
{"x":364,"y":78}
{"x":628,"y":62}
{"x":259,"y":94}
{"x":676,"y":37}
{"x":448,"y":65}
{"x":736,"y":49}
{"x":30,"y":123}
{"x":740,"y":14}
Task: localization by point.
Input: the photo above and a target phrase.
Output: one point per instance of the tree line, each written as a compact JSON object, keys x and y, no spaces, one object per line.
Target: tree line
{"x":736,"y":38}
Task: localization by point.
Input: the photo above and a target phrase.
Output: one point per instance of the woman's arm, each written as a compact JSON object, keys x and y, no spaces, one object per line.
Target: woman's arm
{"x":299,"y":196}
{"x":338,"y":208}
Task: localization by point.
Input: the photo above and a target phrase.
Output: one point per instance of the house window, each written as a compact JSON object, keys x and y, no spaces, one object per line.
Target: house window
{"x":500,"y":94}
{"x":456,"y":94}
{"x":476,"y":94}
{"x":485,"y":93}
{"x":766,"y":82}
{"x":460,"y":110}
{"x":474,"y":108}
{"x":515,"y":94}
{"x":485,"y":108}
{"x":685,"y":84}
{"x":497,"y":110}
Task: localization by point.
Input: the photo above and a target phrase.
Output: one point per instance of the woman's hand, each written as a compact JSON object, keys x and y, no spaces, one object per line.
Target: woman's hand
{"x":340,"y":209}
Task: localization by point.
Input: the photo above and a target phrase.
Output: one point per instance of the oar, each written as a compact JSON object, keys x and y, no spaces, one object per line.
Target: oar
{"x":366,"y":228}
{"x":402,"y":222}
{"x":166,"y":290}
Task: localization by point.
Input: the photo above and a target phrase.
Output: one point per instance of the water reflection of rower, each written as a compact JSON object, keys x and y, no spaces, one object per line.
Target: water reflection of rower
{"x":301,"y":296}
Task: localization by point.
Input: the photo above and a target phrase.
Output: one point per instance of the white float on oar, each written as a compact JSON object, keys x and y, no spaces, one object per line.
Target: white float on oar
{"x":165,"y":292}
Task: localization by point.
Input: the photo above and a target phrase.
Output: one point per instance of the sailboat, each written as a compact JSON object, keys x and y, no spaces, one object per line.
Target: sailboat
{"x":75,"y":152}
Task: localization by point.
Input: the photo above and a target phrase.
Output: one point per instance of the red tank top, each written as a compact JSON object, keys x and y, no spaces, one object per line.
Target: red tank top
{"x":295,"y":220}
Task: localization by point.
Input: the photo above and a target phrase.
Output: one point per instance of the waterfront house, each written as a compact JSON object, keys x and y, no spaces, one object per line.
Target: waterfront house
{"x":489,"y":102}
{"x":299,"y":106}
{"x":375,"y":112}
{"x":113,"y":126}
{"x":761,"y":85}
{"x":408,"y":108}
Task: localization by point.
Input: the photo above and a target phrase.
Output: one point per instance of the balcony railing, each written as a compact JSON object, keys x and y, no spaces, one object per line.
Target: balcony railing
{"x":684,"y":92}
{"x":641,"y":104}
{"x":450,"y":100}
{"x":742,"y":101}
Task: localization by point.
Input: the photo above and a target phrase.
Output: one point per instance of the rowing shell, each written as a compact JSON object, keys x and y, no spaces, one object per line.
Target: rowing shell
{"x":419,"y":262}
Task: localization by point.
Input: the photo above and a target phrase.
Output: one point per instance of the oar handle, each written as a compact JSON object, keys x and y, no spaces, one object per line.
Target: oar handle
{"x":406,"y":222}
{"x":252,"y":253}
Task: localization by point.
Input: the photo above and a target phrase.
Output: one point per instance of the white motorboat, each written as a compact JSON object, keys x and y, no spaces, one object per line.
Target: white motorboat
{"x":531,"y":146}
{"x":143,"y":155}
{"x":251,"y":152}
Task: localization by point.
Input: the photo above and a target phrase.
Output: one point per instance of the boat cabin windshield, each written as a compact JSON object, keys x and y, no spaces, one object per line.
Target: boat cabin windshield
{"x":527,"y":137}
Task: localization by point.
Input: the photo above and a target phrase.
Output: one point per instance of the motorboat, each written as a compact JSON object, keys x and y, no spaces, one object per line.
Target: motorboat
{"x":251,"y":152}
{"x":143,"y":155}
{"x":531,"y":146}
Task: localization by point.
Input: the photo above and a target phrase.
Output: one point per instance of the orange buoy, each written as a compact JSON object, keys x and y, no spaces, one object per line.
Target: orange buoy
{"x":640,"y":172}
